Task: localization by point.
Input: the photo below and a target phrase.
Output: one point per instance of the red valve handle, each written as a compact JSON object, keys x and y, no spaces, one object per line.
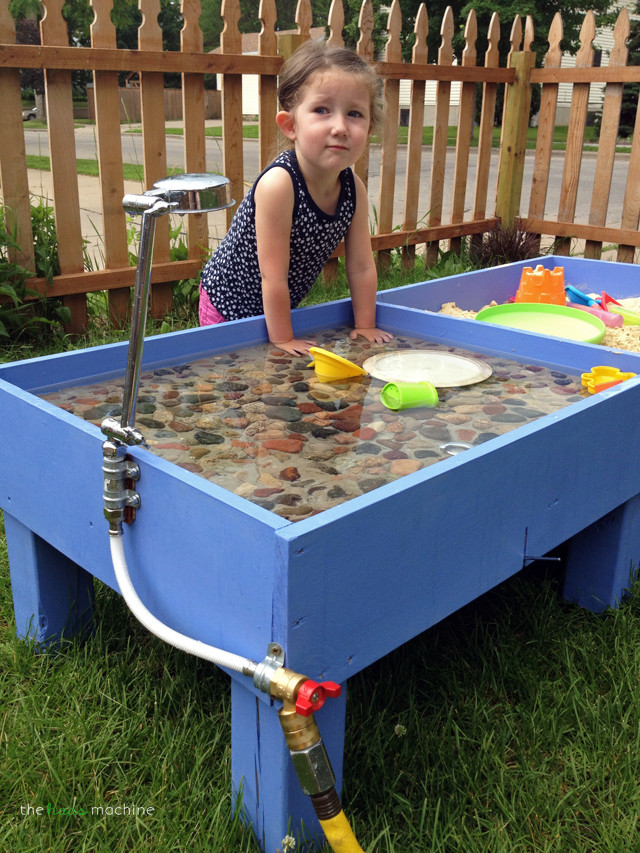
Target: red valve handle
{"x":311,"y":696}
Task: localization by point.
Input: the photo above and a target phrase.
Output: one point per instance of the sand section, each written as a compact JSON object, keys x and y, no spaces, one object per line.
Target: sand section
{"x":623,"y":338}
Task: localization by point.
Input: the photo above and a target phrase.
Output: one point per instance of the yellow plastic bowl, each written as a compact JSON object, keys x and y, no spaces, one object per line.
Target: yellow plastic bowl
{"x":330,"y":367}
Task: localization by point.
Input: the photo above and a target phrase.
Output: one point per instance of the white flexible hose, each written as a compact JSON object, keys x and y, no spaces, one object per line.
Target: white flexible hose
{"x":153,"y":624}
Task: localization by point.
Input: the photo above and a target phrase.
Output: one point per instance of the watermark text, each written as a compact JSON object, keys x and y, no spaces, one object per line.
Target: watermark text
{"x":51,"y":810}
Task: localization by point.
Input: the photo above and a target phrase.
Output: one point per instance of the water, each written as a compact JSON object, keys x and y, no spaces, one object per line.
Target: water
{"x":259,"y":423}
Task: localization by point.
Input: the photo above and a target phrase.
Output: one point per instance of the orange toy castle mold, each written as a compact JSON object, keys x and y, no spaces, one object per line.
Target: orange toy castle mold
{"x":542,"y":285}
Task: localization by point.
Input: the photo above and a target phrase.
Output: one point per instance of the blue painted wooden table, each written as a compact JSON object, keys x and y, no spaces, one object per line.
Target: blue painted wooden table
{"x":345,"y":587}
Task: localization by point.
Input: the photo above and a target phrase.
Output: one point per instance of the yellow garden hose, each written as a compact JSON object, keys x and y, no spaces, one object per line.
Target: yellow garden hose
{"x":340,"y":835}
{"x":300,"y":698}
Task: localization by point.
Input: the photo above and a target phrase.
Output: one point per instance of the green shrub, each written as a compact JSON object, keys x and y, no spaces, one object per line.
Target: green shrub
{"x":25,"y":315}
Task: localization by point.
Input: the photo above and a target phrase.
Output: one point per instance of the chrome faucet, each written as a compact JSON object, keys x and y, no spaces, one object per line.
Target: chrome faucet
{"x":181,"y":194}
{"x":190,"y":193}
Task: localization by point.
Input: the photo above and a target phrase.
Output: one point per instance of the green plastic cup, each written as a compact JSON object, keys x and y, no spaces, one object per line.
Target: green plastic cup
{"x":406,"y":395}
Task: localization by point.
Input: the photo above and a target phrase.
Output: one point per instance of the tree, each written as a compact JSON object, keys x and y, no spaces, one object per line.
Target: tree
{"x":28,"y":32}
{"x":211,"y":24}
{"x":211,"y":19}
{"x":352,"y":31}
{"x":125,"y":15}
{"x":30,"y":9}
{"x":631,"y":91}
{"x":542,"y":13}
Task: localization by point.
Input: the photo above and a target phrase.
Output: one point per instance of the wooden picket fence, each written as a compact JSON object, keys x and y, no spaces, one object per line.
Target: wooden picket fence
{"x":422,"y":209}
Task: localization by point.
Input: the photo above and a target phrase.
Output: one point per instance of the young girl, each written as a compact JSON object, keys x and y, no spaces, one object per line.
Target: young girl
{"x":303,"y":204}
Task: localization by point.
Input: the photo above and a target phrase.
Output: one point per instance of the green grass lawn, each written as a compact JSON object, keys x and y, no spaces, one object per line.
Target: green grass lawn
{"x":250,"y":131}
{"x":131,"y":171}
{"x":511,"y":726}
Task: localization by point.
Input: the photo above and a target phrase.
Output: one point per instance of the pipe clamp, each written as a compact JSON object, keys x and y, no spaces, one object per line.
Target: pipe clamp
{"x":264,"y":671}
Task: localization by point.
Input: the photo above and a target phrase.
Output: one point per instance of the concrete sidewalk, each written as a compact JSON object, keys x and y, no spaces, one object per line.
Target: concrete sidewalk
{"x":41,"y":187}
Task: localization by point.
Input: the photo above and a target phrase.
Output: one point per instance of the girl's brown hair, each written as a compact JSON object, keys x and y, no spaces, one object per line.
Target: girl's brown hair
{"x":315,"y":56}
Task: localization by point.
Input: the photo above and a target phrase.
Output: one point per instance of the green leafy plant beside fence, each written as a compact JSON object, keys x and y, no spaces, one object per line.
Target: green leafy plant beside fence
{"x":28,"y":317}
{"x":186,"y":291}
{"x":25,"y":316}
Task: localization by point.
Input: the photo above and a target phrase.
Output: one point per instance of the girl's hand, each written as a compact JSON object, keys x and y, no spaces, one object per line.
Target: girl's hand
{"x":294,"y":347}
{"x":374,"y":336}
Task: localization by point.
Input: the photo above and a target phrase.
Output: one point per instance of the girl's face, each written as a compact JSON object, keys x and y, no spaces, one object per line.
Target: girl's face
{"x":331,"y":122}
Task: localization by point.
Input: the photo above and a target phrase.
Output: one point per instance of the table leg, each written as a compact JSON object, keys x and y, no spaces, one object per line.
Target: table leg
{"x":603,"y":559}
{"x":262,"y":771}
{"x":52,"y":595}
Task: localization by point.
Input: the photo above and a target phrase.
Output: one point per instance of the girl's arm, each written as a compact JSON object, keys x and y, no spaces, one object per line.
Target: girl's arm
{"x":361,"y":272}
{"x":274,"y":200}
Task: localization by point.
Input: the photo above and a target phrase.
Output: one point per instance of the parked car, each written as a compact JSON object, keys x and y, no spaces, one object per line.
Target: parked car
{"x":29,"y":115}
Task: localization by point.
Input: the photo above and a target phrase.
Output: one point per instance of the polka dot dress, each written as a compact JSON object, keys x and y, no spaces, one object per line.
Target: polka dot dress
{"x":231,"y":278}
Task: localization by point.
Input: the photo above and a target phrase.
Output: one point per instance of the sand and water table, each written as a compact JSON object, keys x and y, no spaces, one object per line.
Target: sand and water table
{"x":346,"y":580}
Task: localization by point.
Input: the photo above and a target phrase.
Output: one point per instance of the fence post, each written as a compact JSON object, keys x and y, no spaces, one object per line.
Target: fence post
{"x":389,"y":154}
{"x":440,"y":134}
{"x":193,"y":118}
{"x":514,"y":138}
{"x":267,"y":85}
{"x":106,"y":111}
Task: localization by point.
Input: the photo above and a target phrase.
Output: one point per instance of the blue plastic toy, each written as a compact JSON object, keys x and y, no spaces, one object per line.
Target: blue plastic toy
{"x":578,"y":296}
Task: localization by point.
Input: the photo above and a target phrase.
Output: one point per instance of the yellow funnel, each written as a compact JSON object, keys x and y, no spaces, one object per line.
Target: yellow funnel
{"x":331,"y":367}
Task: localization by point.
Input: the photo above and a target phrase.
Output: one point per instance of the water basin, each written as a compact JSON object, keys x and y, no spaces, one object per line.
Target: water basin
{"x":259,"y":423}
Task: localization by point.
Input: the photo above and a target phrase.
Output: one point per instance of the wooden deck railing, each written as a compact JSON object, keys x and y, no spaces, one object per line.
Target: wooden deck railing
{"x":422,"y":221}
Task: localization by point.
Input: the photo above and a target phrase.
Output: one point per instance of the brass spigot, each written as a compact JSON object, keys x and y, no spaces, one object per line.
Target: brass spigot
{"x":300,"y":698}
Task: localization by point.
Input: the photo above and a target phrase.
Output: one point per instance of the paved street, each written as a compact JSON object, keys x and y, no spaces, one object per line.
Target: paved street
{"x":40,"y":182}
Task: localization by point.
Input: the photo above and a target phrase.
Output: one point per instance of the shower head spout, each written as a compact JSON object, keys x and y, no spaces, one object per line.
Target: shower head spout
{"x":195,"y":192}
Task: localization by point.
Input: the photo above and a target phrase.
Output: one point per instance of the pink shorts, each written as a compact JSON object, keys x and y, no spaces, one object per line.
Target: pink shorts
{"x":208,"y":313}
